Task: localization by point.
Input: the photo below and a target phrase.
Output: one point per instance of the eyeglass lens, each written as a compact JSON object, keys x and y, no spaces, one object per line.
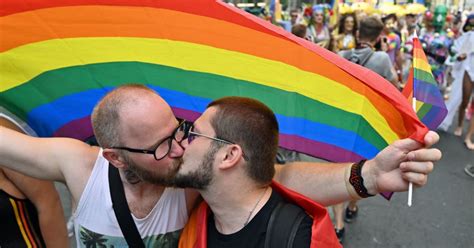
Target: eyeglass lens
{"x":165,"y":146}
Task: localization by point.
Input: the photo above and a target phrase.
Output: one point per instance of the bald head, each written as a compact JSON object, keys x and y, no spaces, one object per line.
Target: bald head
{"x":123,"y":108}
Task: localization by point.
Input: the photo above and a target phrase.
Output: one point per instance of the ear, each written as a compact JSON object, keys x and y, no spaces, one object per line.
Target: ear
{"x":233,"y":155}
{"x":114,"y":158}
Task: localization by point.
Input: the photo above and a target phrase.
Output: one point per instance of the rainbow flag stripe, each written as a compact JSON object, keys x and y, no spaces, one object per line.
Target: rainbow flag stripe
{"x":58,"y":58}
{"x":430,"y":107}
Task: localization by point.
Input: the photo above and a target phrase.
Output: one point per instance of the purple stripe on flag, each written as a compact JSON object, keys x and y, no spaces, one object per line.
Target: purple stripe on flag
{"x":387,"y":195}
{"x":434,"y":117}
{"x":80,"y":129}
{"x":428,"y":93}
{"x":186,"y":114}
{"x":317,"y":149}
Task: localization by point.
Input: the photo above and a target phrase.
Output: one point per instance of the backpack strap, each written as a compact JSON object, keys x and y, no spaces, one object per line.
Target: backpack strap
{"x":122,"y":211}
{"x":283,"y":225}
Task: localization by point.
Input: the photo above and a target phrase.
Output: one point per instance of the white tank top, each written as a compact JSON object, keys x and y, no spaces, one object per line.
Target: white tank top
{"x":95,"y":223}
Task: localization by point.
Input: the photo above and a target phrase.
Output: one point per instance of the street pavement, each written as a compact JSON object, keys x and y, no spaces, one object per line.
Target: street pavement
{"x":442,"y":215}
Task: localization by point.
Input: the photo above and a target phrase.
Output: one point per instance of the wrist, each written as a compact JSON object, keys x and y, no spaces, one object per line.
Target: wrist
{"x":357,"y":181}
{"x":350,"y":189}
{"x":370,"y":177}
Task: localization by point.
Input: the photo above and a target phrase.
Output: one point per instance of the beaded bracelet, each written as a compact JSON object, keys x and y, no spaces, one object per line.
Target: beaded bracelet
{"x":356,"y":180}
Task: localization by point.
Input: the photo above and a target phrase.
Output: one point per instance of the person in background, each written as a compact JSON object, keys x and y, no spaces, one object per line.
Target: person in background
{"x":347,"y":32}
{"x":463,"y":74}
{"x":466,"y":57}
{"x":299,"y":30}
{"x":393,"y":42}
{"x":30,"y":209}
{"x":295,"y":17}
{"x":318,"y":31}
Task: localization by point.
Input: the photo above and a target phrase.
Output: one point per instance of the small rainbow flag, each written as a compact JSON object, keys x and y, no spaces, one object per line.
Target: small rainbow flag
{"x":58,"y":58}
{"x":423,"y":91}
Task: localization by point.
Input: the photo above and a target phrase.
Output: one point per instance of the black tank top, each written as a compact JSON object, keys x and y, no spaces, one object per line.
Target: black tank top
{"x":19,"y":225}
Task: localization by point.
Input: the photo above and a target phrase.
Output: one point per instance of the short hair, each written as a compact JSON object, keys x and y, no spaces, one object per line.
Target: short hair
{"x":370,"y":28}
{"x":106,"y":114}
{"x":299,"y":30}
{"x":253,"y":126}
{"x":389,"y":16}
{"x":343,"y":19}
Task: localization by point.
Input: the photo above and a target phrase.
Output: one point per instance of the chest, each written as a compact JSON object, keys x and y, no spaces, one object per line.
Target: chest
{"x":141,"y":205}
{"x":140,"y":211}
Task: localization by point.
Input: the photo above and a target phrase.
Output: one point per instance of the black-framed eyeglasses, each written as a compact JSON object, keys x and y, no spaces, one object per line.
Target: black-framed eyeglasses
{"x":190,"y":135}
{"x":164,"y":147}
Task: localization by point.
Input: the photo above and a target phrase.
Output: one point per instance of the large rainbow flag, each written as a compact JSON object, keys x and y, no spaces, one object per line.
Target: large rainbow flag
{"x":58,"y":58}
{"x":422,"y":88}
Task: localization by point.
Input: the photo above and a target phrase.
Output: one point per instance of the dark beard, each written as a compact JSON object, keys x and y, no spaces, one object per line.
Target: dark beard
{"x":135,"y":174}
{"x":202,"y":177}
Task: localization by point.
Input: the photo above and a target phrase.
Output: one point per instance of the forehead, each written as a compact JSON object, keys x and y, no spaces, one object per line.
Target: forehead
{"x":146,"y":120}
{"x":204,"y":121}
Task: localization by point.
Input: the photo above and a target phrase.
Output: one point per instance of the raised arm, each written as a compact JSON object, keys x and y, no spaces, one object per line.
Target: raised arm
{"x":392,"y":169}
{"x":46,"y":200}
{"x":58,"y":159}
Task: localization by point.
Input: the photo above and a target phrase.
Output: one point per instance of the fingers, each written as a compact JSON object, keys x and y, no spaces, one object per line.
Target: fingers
{"x":416,"y":167}
{"x":417,"y":179}
{"x":416,"y":172}
{"x":423,"y":155}
{"x":431,"y":138}
{"x":408,"y":145}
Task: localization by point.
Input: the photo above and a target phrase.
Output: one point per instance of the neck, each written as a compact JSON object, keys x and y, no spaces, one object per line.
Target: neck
{"x":142,"y":196}
{"x":366,"y":43}
{"x":233,"y":207}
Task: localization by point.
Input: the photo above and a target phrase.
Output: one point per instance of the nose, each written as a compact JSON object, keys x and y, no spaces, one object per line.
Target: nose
{"x":177,"y":149}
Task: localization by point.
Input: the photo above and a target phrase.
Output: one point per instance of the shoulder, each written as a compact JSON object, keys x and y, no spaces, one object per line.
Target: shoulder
{"x":345,"y":53}
{"x":78,"y":171}
{"x":82,"y":157}
{"x":381,"y":56}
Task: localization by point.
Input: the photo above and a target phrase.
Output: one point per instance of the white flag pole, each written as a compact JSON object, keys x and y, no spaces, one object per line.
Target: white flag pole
{"x":410,"y":185}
